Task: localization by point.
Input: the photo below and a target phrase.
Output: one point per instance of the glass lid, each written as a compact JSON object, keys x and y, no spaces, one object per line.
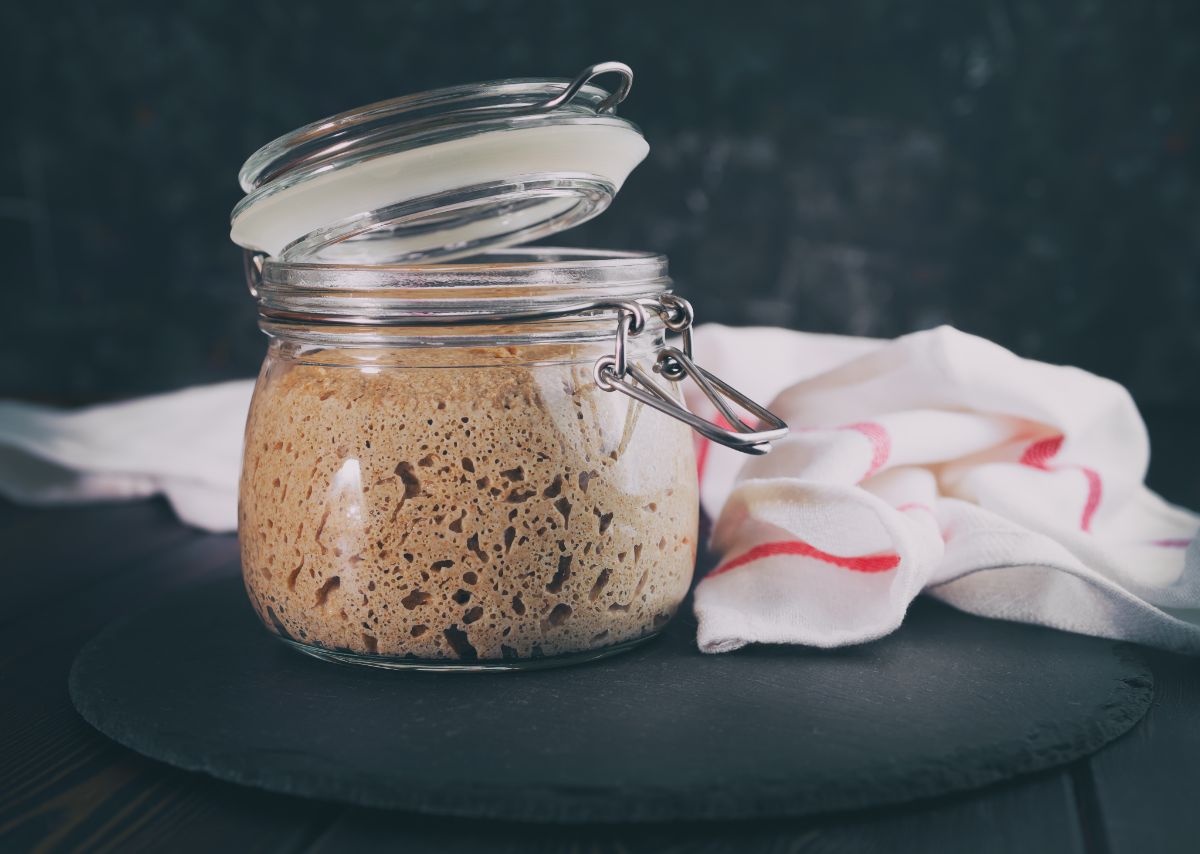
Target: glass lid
{"x":440,"y":175}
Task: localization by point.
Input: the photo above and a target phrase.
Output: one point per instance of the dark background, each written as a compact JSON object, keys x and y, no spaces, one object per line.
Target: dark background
{"x":1027,"y":171}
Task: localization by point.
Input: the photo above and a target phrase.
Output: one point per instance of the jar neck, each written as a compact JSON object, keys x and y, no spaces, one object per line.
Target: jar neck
{"x":557,"y":341}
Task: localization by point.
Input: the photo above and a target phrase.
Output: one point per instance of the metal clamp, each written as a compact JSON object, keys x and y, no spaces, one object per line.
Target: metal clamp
{"x":611,"y":373}
{"x":615,"y":371}
{"x":584,"y":77}
{"x":252,"y":265}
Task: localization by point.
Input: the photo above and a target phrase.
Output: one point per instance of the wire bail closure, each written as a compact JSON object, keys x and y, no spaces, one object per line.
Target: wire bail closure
{"x":611,"y":372}
{"x":586,"y":76}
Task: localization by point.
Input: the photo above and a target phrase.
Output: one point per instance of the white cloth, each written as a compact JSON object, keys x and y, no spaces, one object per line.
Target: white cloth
{"x":937,"y":462}
{"x":186,"y":445}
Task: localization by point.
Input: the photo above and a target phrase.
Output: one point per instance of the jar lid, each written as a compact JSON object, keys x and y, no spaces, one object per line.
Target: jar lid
{"x":441,"y":175}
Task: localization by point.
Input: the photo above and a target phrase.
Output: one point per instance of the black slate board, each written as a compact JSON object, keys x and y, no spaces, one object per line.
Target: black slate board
{"x":949,"y":702}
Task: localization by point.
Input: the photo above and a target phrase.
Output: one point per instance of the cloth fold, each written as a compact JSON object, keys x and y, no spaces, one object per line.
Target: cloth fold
{"x":938,"y":462}
{"x":186,"y":445}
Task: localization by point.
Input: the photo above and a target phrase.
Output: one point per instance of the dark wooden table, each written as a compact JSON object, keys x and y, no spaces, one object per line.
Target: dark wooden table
{"x":63,"y":786}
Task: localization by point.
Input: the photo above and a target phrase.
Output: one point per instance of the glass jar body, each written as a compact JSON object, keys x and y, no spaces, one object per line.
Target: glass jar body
{"x":461,"y":506}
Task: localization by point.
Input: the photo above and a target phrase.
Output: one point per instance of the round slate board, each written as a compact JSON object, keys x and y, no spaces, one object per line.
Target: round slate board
{"x":948,"y":702}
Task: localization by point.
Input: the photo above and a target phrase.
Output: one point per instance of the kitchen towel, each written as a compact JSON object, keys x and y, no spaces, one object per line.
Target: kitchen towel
{"x":186,"y":445}
{"x":938,"y":462}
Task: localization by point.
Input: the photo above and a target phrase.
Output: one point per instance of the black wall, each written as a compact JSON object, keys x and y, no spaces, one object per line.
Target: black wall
{"x":1024,"y":170}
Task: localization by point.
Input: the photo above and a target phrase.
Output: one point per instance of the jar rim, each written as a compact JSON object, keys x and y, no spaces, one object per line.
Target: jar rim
{"x":529,"y":259}
{"x":511,"y":284}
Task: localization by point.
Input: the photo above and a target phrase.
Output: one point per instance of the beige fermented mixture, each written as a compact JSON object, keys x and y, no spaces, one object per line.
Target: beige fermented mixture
{"x":484,"y":512}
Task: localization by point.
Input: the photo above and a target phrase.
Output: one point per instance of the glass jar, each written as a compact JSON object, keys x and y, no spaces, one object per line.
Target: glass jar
{"x":467,"y":464}
{"x":466,"y":495}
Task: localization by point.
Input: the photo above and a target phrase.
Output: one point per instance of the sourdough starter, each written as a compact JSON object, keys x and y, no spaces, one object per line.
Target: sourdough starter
{"x":477,"y":512}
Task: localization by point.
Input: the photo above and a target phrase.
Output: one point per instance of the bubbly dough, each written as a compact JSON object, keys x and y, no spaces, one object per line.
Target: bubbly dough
{"x":490,"y":511}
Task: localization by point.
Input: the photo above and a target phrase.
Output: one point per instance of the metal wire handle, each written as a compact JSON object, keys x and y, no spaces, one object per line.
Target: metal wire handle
{"x":611,"y":373}
{"x":584,"y":77}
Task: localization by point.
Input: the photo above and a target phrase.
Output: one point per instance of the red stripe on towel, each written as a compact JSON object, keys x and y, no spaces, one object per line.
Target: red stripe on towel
{"x":867,"y":563}
{"x":701,"y":456}
{"x":704,"y":444}
{"x":1093,"y":500}
{"x":881,"y":444}
{"x":1038,"y":456}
